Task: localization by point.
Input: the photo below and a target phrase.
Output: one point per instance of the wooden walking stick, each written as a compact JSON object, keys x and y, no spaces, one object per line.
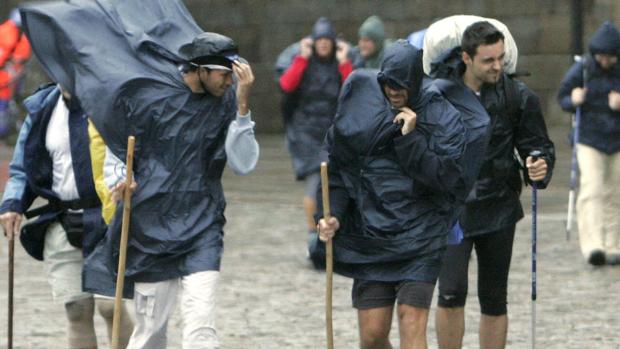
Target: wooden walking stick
{"x":120,"y":278}
{"x":11,"y":278}
{"x":329,"y":260}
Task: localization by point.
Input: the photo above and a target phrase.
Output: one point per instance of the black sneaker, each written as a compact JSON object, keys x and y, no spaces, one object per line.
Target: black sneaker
{"x":597,"y":257}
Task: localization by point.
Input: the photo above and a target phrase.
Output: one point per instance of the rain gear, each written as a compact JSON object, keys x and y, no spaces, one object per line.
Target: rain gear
{"x":417,"y":38}
{"x":477,"y":124}
{"x":393,"y":195}
{"x":31,"y":172}
{"x":599,"y":126}
{"x":373,"y":29}
{"x":494,"y":202}
{"x":516,"y":121}
{"x":128,"y":82}
{"x":311,"y":105}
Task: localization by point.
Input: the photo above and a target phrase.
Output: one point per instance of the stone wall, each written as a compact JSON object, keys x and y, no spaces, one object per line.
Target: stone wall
{"x":264,"y":27}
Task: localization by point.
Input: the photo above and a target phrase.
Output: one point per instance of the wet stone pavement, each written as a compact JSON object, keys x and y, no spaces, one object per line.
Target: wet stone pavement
{"x":270,"y":297}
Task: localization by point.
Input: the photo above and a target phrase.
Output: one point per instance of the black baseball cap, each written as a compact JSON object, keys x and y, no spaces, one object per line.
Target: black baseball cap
{"x":212,"y":50}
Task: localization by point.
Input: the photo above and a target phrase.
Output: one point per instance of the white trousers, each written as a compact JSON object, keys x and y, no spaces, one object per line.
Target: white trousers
{"x":598,"y":202}
{"x":155,"y":302}
{"x":63,"y":266}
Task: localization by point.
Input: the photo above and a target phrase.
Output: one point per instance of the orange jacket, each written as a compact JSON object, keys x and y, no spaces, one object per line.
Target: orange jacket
{"x":14,"y":52}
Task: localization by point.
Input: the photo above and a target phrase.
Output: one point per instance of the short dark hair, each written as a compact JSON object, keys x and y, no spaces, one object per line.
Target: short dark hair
{"x":479,"y":33}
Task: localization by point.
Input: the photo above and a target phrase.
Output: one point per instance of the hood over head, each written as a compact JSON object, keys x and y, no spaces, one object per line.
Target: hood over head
{"x":373,"y":29}
{"x":364,"y":117}
{"x":402,"y":67}
{"x":606,"y":40}
{"x":323,"y":29}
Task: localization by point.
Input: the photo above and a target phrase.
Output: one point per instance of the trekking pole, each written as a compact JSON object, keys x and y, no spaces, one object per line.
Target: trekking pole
{"x":573,"y":175}
{"x":120,"y":278}
{"x":574,"y":164}
{"x":11,"y":278}
{"x":329,"y":259}
{"x":536,"y":154}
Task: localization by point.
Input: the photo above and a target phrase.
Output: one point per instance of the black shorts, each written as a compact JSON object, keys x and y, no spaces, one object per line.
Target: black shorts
{"x":378,"y":294}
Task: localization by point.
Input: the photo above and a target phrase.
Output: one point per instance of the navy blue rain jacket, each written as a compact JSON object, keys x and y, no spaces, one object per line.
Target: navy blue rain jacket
{"x":516,"y":122}
{"x":494,"y":203}
{"x":393,"y":195}
{"x":599,"y":126}
{"x":38,"y":168}
{"x":128,"y":82}
{"x":477,"y":126}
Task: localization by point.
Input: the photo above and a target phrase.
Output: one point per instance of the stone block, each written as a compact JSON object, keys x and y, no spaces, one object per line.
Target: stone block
{"x":546,"y":70}
{"x":504,"y":8}
{"x":525,"y":30}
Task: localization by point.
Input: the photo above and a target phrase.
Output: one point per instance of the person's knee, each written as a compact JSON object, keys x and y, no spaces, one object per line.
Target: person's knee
{"x":81,"y":330}
{"x":79,"y":310}
{"x":373,"y":341}
{"x":374,"y":336}
{"x":414,"y":319}
{"x":452,"y":299}
{"x":105,"y":307}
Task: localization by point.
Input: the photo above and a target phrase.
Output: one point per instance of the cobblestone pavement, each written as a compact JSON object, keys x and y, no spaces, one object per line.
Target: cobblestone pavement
{"x":269,"y":296}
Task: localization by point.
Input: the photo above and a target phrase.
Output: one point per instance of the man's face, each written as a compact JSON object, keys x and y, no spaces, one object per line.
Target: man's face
{"x":366,"y":46}
{"x":397,"y":98}
{"x":488,"y":63}
{"x":323,"y":47}
{"x":216,"y":81}
{"x":606,"y":61}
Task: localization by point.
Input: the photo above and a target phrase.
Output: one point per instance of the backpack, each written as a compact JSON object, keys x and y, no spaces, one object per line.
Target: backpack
{"x":445,"y":34}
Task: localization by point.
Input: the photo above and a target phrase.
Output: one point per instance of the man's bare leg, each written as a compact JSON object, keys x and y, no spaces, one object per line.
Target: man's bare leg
{"x":81,"y":328}
{"x":374,"y":327}
{"x":105,"y":306}
{"x":310,"y":210}
{"x":493,"y":331}
{"x":450,"y":327}
{"x":412,"y":322}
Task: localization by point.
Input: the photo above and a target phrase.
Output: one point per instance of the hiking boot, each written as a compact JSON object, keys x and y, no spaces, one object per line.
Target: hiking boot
{"x":597,"y":258}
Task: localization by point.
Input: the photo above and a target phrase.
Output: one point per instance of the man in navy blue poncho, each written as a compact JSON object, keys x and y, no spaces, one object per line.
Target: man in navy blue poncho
{"x":183,"y":93}
{"x":395,"y":171}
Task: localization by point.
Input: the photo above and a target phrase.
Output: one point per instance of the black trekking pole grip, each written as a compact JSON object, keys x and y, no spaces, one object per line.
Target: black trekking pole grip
{"x":536,"y":154}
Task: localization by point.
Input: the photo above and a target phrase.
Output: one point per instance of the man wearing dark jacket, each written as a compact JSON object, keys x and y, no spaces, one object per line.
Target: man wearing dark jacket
{"x":492,"y":207}
{"x":598,"y":147}
{"x":395,"y":171}
{"x":179,"y":92}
